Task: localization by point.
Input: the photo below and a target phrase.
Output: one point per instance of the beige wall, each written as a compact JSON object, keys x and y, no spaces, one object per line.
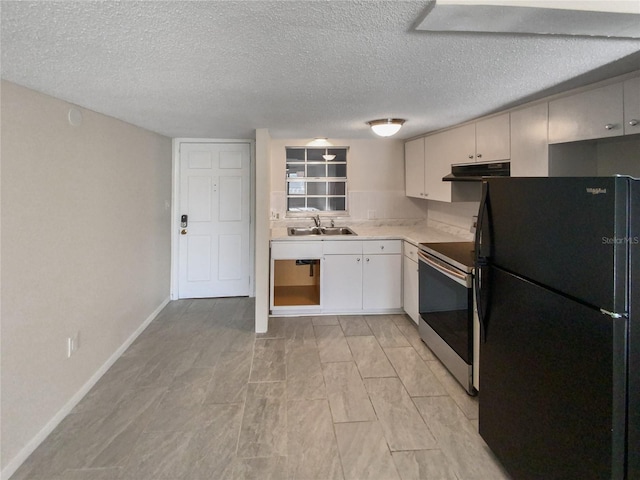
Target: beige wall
{"x":85,"y":248}
{"x":375,"y":171}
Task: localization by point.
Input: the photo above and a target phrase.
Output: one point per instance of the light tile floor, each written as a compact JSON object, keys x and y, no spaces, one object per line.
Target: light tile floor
{"x":200,"y":396}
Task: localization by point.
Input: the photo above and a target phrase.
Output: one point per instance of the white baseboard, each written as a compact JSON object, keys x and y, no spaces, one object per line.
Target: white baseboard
{"x":30,"y":447}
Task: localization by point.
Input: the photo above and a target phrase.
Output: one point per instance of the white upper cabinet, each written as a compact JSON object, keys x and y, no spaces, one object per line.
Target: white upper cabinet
{"x":414,"y":168}
{"x":632,"y":106}
{"x":529,"y":147}
{"x":493,"y":139}
{"x":596,"y":113}
{"x":438,"y":151}
{"x":459,"y":145}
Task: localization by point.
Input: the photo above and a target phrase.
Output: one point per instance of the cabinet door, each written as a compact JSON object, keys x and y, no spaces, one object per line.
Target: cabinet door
{"x":529,"y":146}
{"x":632,"y":106}
{"x":588,"y":115}
{"x":461,"y":144}
{"x":493,"y":139}
{"x":436,"y":166}
{"x":341,"y":283}
{"x":410,"y":288}
{"x":414,"y":168}
{"x":381,"y":285}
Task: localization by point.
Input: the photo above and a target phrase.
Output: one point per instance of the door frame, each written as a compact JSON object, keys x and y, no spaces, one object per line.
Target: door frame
{"x":175,"y":210}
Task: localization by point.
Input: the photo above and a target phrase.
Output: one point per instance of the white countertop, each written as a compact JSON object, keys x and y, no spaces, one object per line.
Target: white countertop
{"x":412,"y":233}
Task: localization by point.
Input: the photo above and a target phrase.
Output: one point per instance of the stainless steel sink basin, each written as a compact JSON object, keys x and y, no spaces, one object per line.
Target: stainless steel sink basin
{"x":337,"y":231}
{"x":296,"y":231}
{"x":305,"y":231}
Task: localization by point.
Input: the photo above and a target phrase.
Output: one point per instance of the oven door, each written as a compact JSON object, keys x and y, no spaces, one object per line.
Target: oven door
{"x":446,"y":307}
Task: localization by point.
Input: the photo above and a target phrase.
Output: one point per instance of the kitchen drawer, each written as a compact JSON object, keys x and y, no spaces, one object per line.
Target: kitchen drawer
{"x":411,"y":251}
{"x":342,"y":247}
{"x":296,"y":250}
{"x":373,"y":247}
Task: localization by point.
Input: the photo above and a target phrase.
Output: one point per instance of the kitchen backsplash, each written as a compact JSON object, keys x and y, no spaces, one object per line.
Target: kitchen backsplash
{"x":362,"y":205}
{"x":389,"y":208}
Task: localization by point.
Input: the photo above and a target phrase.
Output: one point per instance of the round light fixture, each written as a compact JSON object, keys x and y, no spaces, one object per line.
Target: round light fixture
{"x":385,"y":127}
{"x":328,"y":158}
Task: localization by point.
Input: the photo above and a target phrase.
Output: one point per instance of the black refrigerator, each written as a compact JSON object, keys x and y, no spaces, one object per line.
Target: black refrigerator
{"x":558,"y":297}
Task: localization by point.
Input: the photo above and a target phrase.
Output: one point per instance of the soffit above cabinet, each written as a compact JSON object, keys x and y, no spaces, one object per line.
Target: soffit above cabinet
{"x":594,"y":18}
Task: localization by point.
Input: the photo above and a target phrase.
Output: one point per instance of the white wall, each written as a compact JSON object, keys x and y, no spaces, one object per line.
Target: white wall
{"x":85,"y":248}
{"x":375,"y":171}
{"x":458,"y":215}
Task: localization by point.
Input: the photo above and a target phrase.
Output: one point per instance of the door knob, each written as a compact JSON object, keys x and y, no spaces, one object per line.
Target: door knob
{"x":183,"y":232}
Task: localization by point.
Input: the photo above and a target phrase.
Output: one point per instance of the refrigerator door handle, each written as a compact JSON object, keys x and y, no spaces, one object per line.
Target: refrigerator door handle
{"x":480,"y":263}
{"x":612,"y":314}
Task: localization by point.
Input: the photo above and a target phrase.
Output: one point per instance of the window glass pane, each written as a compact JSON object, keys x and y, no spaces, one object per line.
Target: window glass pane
{"x":336,"y":188}
{"x":337,"y":170}
{"x":306,"y":173}
{"x":295,"y":204}
{"x":340,"y":153}
{"x":316,"y":188}
{"x":296,"y":154}
{"x":295,"y":170}
{"x":317,"y":203}
{"x":296,"y":188}
{"x":316,"y":170}
{"x":337,"y":203}
{"x":315,"y":154}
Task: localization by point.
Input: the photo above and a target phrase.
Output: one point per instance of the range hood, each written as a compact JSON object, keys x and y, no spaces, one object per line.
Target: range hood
{"x":475,"y":172}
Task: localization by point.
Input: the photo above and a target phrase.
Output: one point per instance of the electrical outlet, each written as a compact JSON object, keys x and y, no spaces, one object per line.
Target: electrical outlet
{"x":73,"y":343}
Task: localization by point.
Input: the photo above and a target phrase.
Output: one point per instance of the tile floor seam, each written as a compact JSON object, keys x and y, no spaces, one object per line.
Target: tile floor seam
{"x":186,"y":321}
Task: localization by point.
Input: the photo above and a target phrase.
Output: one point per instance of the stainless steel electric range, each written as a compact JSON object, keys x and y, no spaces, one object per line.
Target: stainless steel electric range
{"x":447,"y":324}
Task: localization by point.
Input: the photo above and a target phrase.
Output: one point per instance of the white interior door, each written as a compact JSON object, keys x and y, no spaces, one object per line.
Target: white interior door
{"x":214,"y":248}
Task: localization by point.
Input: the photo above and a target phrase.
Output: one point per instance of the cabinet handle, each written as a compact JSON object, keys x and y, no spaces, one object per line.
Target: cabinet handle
{"x":358,"y":259}
{"x":479,"y":155}
{"x":381,"y":247}
{"x":470,"y":156}
{"x":609,"y":126}
{"x":633,"y":122}
{"x":421,"y":194}
{"x":367,"y":259}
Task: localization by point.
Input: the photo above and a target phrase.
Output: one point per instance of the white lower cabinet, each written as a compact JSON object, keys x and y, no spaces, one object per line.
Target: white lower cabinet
{"x":410,"y":281}
{"x":381,"y":286}
{"x":342,"y":283}
{"x":362,"y":276}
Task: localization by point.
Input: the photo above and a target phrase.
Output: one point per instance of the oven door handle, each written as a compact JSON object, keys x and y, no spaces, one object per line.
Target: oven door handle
{"x":458,"y":277}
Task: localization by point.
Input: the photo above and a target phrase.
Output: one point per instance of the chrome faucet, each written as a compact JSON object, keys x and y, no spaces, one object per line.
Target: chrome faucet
{"x":316,"y":219}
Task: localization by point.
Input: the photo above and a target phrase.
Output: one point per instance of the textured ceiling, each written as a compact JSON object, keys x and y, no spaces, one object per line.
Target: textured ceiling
{"x":302,"y":69}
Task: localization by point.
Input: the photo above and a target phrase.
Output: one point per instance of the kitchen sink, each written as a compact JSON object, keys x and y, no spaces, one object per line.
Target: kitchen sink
{"x":337,"y":231}
{"x":299,"y":231}
{"x":305,"y":231}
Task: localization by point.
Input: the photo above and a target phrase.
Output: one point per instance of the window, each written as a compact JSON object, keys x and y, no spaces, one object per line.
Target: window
{"x":316,"y":179}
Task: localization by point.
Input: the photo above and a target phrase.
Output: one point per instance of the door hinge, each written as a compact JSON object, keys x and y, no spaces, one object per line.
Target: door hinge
{"x":612,"y":314}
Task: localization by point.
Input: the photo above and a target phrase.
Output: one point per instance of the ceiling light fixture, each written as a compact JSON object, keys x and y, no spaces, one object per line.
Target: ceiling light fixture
{"x":385,"y":127}
{"x":328,"y":157}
